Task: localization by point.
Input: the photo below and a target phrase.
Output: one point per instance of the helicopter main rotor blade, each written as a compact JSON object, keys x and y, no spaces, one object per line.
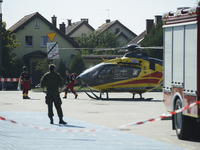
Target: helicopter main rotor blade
{"x":109,"y":49}
{"x":159,"y":47}
{"x":129,"y":48}
{"x":96,"y":49}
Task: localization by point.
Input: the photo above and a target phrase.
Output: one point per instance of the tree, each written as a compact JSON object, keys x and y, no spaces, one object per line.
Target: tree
{"x":98,"y":40}
{"x":9,"y":43}
{"x":43,"y":65}
{"x":77,"y":64}
{"x":62,"y":69}
{"x":154,"y":38}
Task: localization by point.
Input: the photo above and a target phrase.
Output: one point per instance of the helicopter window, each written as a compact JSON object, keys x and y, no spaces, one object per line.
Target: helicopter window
{"x":107,"y":72}
{"x":126,"y":72}
{"x":117,"y":72}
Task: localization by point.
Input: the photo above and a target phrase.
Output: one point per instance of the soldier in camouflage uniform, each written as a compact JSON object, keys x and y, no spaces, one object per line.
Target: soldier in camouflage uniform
{"x":52,"y":81}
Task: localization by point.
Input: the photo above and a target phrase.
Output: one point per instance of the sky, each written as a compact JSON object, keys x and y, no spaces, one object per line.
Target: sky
{"x":131,"y":13}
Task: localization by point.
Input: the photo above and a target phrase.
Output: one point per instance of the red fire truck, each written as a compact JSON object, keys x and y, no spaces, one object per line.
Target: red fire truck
{"x":181,"y":83}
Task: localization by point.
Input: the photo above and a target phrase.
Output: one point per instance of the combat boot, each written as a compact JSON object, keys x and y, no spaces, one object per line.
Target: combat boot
{"x":51,"y":120}
{"x":65,"y":96}
{"x":62,"y":121}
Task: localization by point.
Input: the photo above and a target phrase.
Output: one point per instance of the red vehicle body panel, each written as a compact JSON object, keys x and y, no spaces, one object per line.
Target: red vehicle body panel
{"x":174,"y":18}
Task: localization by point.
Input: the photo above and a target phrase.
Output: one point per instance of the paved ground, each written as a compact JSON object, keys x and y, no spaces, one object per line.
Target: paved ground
{"x":101,"y":118}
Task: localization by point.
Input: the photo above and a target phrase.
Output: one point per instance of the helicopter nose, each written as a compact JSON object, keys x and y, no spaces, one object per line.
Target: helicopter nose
{"x":82,"y":78}
{"x":78,"y":79}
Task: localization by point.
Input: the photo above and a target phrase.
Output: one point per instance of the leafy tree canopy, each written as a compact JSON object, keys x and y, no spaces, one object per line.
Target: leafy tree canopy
{"x":154,"y":38}
{"x":95,"y":39}
{"x":77,"y":64}
{"x":11,"y":67}
{"x":43,"y":65}
{"x":62,"y":69}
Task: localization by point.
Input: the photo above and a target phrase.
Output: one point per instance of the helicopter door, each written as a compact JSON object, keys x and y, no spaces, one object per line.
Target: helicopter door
{"x":152,"y":64}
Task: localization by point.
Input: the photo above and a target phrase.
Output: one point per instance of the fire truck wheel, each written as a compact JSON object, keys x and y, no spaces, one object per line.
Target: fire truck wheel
{"x":181,"y":123}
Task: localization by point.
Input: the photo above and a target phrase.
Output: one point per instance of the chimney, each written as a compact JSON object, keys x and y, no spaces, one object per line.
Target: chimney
{"x":54,"y":18}
{"x":83,"y":19}
{"x":62,"y":28}
{"x":69,"y":22}
{"x":149,"y":25}
{"x":107,"y":20}
{"x":157,"y":19}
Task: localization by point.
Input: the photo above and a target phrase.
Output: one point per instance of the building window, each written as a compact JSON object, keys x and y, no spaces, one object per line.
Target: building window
{"x":44,"y":40}
{"x":29,"y":41}
{"x":117,"y":30}
{"x":37,"y":24}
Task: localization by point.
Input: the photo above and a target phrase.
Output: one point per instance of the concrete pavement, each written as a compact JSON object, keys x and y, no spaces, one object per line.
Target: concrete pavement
{"x":81,"y":114}
{"x":17,"y":137}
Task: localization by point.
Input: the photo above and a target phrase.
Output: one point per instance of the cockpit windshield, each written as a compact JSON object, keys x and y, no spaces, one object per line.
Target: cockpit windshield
{"x":93,"y":71}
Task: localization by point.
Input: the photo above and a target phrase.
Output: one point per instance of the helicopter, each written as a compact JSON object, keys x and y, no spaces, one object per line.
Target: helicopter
{"x":135,"y":72}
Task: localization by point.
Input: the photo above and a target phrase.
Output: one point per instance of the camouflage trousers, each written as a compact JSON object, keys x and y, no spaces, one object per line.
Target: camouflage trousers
{"x":54,"y":98}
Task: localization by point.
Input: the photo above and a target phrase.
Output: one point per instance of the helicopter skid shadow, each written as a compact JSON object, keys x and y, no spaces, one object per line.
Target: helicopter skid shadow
{"x":126,"y":99}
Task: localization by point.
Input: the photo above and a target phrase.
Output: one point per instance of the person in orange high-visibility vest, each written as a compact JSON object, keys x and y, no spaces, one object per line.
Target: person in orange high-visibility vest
{"x":70,"y":78}
{"x":24,"y":79}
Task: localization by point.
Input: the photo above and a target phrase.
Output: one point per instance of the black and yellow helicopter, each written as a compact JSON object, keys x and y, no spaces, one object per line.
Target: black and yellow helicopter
{"x":135,"y":72}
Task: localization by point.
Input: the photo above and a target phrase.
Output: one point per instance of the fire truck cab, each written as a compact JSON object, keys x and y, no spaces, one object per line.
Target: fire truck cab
{"x":181,"y":82}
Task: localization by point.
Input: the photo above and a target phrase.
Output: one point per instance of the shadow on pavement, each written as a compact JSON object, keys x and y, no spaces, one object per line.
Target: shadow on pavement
{"x":69,"y":126}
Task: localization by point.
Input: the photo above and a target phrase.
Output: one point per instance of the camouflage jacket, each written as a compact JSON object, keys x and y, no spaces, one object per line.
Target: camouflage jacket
{"x":52,"y":80}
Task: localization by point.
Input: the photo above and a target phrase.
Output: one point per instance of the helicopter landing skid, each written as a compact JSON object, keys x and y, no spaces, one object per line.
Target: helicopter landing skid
{"x":107,"y":98}
{"x":96,"y":97}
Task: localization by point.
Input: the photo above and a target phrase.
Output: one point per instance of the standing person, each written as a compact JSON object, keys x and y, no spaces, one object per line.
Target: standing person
{"x":70,"y":84}
{"x":24,"y":79}
{"x":52,"y":81}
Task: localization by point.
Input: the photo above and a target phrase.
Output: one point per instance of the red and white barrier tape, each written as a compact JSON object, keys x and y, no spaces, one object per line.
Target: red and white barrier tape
{"x":49,"y":129}
{"x":159,"y":117}
{"x":95,"y":130}
{"x":9,"y":79}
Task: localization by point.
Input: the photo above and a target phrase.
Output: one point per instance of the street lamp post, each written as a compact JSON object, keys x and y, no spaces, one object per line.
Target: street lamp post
{"x":1,"y":37}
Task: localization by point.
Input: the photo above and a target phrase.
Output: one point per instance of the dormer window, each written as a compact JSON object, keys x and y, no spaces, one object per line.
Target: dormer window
{"x":117,"y":30}
{"x":37,"y":24}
